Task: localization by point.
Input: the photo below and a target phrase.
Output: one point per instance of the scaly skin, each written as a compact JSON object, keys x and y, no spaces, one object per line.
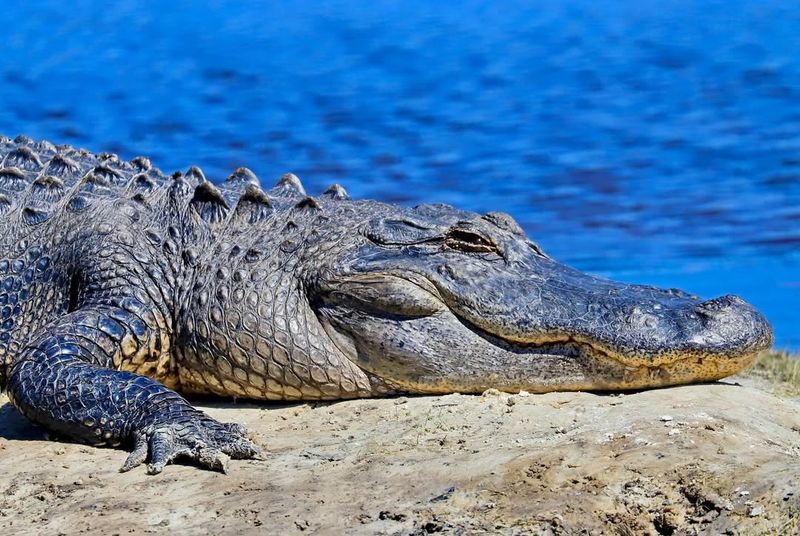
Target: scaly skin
{"x":120,"y":286}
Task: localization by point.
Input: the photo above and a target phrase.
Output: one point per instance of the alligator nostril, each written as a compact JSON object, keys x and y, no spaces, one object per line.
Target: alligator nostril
{"x":719,"y":304}
{"x":733,"y":299}
{"x":706,"y":310}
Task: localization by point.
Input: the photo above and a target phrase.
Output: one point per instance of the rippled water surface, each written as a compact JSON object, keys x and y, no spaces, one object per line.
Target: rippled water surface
{"x":653,"y":141}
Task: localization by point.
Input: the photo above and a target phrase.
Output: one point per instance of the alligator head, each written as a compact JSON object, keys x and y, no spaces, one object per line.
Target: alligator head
{"x":434,"y":299}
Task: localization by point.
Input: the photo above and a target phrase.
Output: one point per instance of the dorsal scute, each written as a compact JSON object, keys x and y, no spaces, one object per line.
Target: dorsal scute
{"x":93,"y":181}
{"x":209,"y":203}
{"x":46,"y":189}
{"x":253,"y":205}
{"x":34,"y":215}
{"x":62,"y":166}
{"x":77,"y":203}
{"x":195,"y":175}
{"x":289,"y":183}
{"x":109,"y":175}
{"x":242,"y":176}
{"x":23,"y":158}
{"x":308,"y":202}
{"x":141,"y":164}
{"x":180,"y":188}
{"x":13,"y":179}
{"x":108,"y":158}
{"x":6,"y":204}
{"x":335,"y":191}
{"x":38,"y":179}
{"x":142,"y":182}
{"x":48,"y":182}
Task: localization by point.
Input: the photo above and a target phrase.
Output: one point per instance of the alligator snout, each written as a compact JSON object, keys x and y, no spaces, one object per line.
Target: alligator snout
{"x":655,"y":332}
{"x":637,"y":325}
{"x":730,"y":322}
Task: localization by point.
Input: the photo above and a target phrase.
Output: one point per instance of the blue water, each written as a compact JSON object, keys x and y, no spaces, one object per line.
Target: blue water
{"x":650,"y":141}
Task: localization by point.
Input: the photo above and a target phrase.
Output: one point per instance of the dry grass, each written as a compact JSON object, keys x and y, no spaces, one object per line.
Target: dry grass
{"x":779,"y":368}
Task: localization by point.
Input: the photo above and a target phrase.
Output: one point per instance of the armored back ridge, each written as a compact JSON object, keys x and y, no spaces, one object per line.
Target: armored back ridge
{"x":122,"y":286}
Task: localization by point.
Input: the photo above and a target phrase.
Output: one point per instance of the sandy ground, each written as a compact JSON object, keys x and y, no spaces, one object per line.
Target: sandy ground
{"x":704,"y":459}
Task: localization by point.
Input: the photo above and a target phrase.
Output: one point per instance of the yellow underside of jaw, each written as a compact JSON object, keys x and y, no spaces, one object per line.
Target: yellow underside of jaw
{"x":601,"y":373}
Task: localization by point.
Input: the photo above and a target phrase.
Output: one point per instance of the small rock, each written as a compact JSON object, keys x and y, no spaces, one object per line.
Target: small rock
{"x":757,"y":511}
{"x":386,"y":514}
{"x":444,"y":496}
{"x":744,"y":493}
{"x":78,"y":482}
{"x":666,"y":418}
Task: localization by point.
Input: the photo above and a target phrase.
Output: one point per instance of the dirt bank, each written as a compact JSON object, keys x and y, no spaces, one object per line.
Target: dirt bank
{"x":696,"y":459}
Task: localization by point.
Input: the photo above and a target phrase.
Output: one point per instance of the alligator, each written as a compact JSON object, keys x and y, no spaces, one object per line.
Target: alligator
{"x":122,"y":286}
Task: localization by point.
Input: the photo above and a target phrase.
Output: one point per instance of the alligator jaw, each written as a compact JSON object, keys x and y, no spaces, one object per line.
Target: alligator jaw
{"x":570,"y":366}
{"x":414,"y":338}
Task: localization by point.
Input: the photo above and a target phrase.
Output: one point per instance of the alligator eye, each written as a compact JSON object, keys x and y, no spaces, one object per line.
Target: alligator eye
{"x":462,"y":240}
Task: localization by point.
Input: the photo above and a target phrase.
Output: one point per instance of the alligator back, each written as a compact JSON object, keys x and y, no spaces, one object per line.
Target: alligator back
{"x":38,"y":178}
{"x":78,"y":228}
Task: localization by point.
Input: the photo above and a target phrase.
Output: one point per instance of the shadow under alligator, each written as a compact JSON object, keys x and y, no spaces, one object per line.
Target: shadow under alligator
{"x":13,"y":426}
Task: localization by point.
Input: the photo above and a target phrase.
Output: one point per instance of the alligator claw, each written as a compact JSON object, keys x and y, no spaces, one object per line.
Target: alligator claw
{"x":138,"y":455}
{"x":203,"y":440}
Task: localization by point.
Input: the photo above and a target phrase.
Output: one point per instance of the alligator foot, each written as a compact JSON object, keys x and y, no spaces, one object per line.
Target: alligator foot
{"x":198,"y":438}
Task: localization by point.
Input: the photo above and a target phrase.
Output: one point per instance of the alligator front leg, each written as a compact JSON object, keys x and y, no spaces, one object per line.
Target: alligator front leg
{"x":64,"y":381}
